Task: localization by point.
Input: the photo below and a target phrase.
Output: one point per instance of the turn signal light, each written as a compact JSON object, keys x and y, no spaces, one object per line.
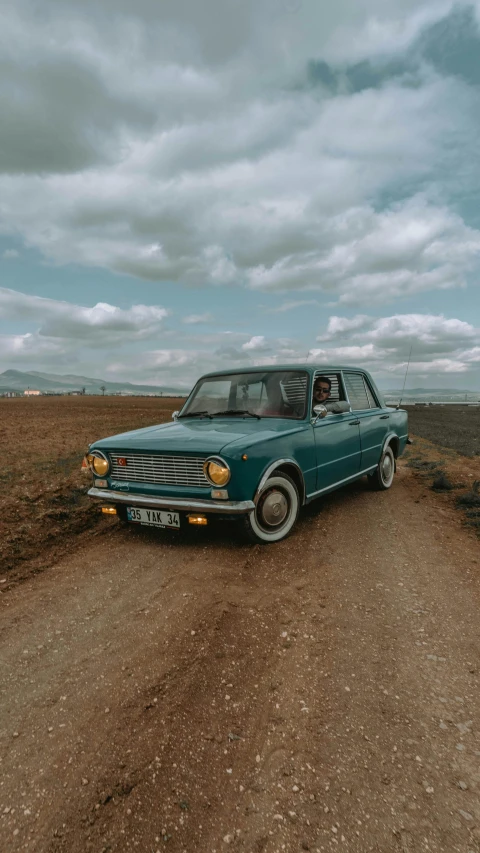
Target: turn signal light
{"x":197,"y":519}
{"x":109,"y":510}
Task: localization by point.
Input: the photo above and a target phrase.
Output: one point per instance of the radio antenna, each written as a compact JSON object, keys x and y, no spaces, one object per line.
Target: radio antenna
{"x":406,"y":373}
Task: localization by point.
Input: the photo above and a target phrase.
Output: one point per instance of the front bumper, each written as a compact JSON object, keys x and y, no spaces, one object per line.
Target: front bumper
{"x":223,"y":507}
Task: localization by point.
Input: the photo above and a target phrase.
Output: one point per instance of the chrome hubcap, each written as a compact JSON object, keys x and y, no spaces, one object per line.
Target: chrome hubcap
{"x":387,"y":468}
{"x":274,"y":508}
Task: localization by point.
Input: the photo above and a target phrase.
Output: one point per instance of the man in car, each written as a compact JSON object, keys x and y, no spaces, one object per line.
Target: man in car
{"x":321,"y":391}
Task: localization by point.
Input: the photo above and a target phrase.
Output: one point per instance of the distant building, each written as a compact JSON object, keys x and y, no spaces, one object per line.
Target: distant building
{"x":10,"y":394}
{"x":30,"y":392}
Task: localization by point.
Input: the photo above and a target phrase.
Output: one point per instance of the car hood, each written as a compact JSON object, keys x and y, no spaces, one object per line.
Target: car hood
{"x":190,"y":437}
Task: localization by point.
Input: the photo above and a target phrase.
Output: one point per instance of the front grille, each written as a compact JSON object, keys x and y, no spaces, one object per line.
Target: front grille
{"x":164,"y":470}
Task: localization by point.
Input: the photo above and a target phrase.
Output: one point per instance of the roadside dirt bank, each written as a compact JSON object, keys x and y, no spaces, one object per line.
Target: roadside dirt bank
{"x":44,"y":508}
{"x":201,"y":695}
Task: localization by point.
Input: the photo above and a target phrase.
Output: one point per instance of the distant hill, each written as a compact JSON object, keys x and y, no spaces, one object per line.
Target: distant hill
{"x":17,"y":380}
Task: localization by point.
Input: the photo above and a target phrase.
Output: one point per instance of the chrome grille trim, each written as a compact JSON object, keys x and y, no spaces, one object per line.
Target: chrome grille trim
{"x":164,"y":470}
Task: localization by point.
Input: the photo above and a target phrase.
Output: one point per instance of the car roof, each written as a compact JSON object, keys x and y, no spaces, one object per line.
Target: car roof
{"x":310,"y":367}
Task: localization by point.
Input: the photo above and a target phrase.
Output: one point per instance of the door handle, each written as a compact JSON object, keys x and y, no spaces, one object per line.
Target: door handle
{"x":354,"y":423}
{"x":384,"y":417}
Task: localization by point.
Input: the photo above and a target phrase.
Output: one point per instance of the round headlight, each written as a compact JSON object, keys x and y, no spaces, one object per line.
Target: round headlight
{"x":100,"y":465}
{"x":217,"y":472}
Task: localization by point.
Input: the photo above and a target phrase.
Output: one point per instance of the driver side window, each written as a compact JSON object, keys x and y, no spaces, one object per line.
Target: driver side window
{"x":336,"y":391}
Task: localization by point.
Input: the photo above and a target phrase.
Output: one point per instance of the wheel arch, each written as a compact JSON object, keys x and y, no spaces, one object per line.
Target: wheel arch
{"x":283,"y":466}
{"x":392,"y":440}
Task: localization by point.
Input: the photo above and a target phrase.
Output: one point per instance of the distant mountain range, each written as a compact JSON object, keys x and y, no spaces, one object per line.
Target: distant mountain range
{"x":54,"y":383}
{"x":17,"y":380}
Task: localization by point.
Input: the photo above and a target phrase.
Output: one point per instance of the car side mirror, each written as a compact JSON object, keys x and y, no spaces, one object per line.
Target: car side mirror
{"x":175,"y":416}
{"x":338,"y":408}
{"x":319,"y":411}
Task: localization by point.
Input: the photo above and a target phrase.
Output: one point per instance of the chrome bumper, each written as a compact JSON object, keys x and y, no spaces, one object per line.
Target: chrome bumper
{"x":224,"y":507}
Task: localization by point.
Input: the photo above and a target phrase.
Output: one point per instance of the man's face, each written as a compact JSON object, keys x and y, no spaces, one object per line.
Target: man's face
{"x":321,"y":392}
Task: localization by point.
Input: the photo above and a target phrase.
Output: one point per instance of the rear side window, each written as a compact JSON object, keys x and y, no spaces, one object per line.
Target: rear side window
{"x":359,"y":394}
{"x":371,"y":398}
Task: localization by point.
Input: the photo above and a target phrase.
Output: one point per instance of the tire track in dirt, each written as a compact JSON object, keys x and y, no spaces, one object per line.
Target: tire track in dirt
{"x":205,"y":719}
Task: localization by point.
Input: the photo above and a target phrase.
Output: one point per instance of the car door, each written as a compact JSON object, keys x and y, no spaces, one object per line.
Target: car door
{"x":374,"y":420}
{"x":337,"y":441}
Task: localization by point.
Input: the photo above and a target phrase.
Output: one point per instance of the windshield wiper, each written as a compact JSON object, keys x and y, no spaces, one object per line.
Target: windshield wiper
{"x":204,"y":414}
{"x":243,"y":412}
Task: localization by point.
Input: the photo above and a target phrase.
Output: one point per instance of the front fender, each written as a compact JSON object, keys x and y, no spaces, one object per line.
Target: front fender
{"x":282,"y":464}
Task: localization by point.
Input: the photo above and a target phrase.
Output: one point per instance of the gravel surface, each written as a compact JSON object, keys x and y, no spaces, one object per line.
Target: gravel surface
{"x":202,"y":695}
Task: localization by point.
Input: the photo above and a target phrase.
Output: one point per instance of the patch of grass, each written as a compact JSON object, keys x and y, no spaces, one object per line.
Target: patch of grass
{"x":471,"y":498}
{"x":441,"y":483}
{"x":470,"y":503}
{"x":422,"y":464}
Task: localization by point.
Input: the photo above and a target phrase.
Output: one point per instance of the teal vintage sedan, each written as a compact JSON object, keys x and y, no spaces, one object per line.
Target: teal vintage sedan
{"x":255,"y":443}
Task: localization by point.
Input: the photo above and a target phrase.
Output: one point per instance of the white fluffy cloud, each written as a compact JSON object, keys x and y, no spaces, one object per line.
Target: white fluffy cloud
{"x":338,"y":326}
{"x":257,"y":343}
{"x":432,"y":344}
{"x":195,"y":319}
{"x":101,"y":325}
{"x":30,"y":350}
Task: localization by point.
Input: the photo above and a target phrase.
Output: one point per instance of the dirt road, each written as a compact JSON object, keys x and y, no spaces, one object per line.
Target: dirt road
{"x":320,"y":694}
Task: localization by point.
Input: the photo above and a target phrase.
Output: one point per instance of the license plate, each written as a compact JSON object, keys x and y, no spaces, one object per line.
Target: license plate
{"x":153,"y":517}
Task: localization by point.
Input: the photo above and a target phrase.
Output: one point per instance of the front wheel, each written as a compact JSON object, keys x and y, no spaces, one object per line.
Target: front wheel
{"x":382,"y":477}
{"x":276,"y":511}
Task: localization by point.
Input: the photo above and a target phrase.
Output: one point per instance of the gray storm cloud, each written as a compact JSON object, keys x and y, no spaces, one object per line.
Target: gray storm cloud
{"x":182,"y":142}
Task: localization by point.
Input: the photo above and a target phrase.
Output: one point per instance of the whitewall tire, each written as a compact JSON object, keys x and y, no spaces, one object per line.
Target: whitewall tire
{"x":382,"y":477}
{"x":276,"y":511}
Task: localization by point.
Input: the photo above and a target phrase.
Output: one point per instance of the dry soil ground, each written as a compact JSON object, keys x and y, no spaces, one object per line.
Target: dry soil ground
{"x":162,"y":693}
{"x":43,"y":502}
{"x":457,"y":427}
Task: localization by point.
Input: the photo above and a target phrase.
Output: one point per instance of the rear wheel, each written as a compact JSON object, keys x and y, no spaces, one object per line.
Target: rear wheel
{"x":382,"y":477}
{"x":276,"y":511}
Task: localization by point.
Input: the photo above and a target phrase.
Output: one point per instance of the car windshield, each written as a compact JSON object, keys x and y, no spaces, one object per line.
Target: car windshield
{"x":269,"y":394}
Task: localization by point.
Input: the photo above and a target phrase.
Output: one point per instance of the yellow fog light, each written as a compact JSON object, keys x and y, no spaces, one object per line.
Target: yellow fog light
{"x":197,"y":519}
{"x":109,"y":510}
{"x":100,"y":465}
{"x":217,"y":471}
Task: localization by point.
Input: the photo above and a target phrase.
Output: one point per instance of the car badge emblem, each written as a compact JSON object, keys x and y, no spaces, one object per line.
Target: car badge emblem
{"x":122,"y":461}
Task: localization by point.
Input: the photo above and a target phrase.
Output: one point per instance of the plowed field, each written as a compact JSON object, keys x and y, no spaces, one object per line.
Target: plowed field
{"x":457,"y":427}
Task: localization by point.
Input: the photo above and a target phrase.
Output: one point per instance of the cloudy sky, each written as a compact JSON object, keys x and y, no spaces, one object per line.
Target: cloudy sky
{"x":188,"y":186}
